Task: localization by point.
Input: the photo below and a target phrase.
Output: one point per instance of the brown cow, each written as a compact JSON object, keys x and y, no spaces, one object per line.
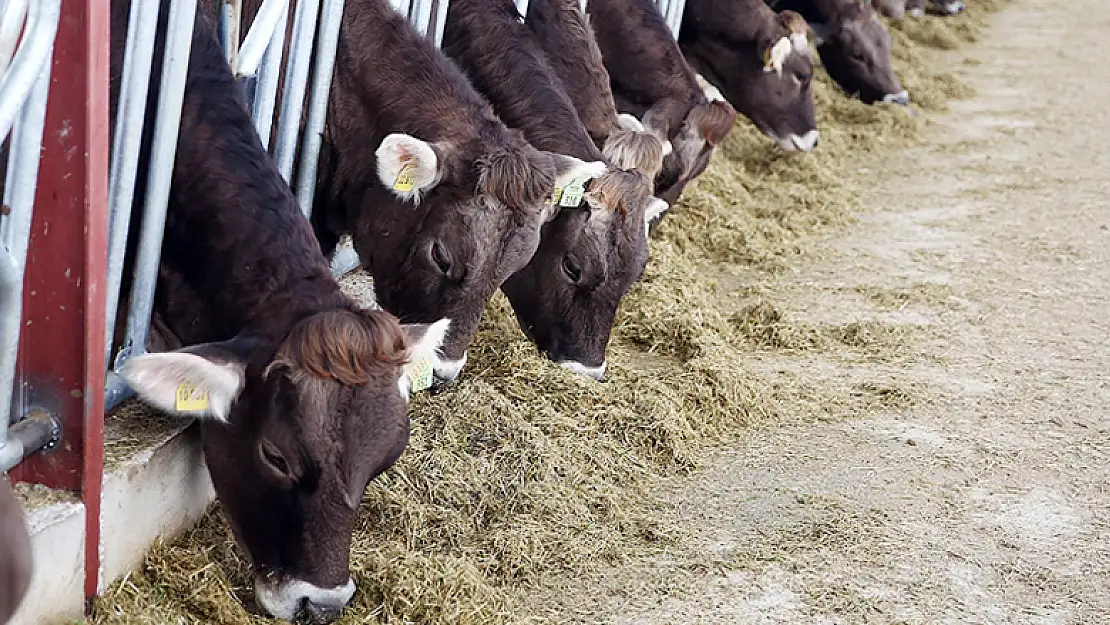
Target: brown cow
{"x":15,"y":553}
{"x":566,"y":298}
{"x":564,"y":32}
{"x":451,"y":202}
{"x":301,"y":393}
{"x":854,"y":47}
{"x":760,"y":61}
{"x":652,"y":81}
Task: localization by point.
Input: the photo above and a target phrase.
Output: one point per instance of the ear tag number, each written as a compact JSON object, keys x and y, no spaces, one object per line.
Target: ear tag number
{"x":405,"y":178}
{"x":571,"y":195}
{"x":190,"y":398}
{"x":420,"y":373}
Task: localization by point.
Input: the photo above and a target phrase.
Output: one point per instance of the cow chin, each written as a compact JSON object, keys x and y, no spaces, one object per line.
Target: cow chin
{"x":292,"y":598}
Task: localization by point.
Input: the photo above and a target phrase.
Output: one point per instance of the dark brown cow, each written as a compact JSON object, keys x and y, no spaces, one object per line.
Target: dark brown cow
{"x":566,"y":298}
{"x":564,"y":33}
{"x":451,"y":202}
{"x":759,"y":60}
{"x":15,"y":553}
{"x":301,"y":393}
{"x":894,"y":9}
{"x":854,"y":47}
{"x":652,"y":81}
{"x":917,"y":8}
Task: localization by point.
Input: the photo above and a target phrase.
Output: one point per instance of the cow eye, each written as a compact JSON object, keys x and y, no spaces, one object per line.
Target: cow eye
{"x":571,"y":268}
{"x":802,"y":77}
{"x":271,"y":456}
{"x":440,"y":257}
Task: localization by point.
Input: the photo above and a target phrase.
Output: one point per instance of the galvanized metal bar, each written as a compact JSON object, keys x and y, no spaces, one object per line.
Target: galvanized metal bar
{"x":522,"y":6}
{"x":30,"y":434}
{"x":441,"y":21}
{"x":268,"y":24}
{"x":179,"y":35}
{"x":231,"y":16}
{"x":678,"y":7}
{"x":20,"y":78}
{"x":326,"y":46}
{"x":402,"y":6}
{"x":142,"y":30}
{"x":265,"y":94}
{"x":12,"y":14}
{"x":296,"y":78}
{"x":421,"y":16}
{"x":19,"y":192}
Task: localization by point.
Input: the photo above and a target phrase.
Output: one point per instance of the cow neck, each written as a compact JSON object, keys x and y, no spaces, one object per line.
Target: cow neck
{"x":656,"y":73}
{"x":281,"y":310}
{"x":506,"y":64}
{"x":571,"y":50}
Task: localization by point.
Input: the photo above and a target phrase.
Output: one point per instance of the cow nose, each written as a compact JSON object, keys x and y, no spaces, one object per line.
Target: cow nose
{"x":953,"y":7}
{"x":447,"y":370}
{"x":594,"y":373}
{"x":902,"y":97}
{"x":806,"y":142}
{"x":313,"y":613}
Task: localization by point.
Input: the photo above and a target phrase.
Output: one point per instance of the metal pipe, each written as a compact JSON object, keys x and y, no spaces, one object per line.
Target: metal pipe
{"x":421,"y":17}
{"x":231,"y":16}
{"x":11,"y":23}
{"x":678,"y":7}
{"x":142,"y":30}
{"x":19,"y":195}
{"x":296,"y":78}
{"x":521,"y":6}
{"x":16,"y":84}
{"x":313,"y":138}
{"x":31,"y":433}
{"x":262,"y":30}
{"x":402,"y":6}
{"x":179,"y":36}
{"x":265,"y":94}
{"x":441,"y":21}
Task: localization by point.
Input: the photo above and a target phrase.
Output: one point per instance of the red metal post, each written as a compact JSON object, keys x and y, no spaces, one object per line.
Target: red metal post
{"x":61,"y":359}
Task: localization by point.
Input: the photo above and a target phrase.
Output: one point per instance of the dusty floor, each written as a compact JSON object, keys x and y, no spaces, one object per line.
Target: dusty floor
{"x":987,"y":499}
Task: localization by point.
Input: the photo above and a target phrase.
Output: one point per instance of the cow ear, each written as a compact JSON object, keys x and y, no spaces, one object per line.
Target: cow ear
{"x":425,"y":341}
{"x":201,"y":380}
{"x":655,"y":209}
{"x":655,"y":122}
{"x":407,"y":166}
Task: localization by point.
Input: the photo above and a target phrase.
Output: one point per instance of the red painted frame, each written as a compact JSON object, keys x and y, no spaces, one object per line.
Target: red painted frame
{"x":61,"y":359}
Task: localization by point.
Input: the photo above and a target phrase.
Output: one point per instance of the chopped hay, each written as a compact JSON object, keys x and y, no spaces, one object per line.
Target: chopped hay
{"x":523,"y":470}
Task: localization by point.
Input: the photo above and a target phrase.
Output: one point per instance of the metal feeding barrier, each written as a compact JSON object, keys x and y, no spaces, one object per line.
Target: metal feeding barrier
{"x":257,"y":61}
{"x":672,"y":14}
{"x":27,"y":31}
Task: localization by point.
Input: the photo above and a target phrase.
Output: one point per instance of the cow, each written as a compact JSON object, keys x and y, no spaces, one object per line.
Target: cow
{"x":760,"y":61}
{"x":566,"y":298}
{"x":894,"y":9}
{"x":652,"y":81}
{"x":449,"y":203}
{"x":15,"y":553}
{"x":300,"y":393}
{"x":563,"y":31}
{"x":854,"y":47}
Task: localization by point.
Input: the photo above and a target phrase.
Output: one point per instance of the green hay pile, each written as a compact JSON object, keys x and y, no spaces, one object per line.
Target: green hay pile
{"x":523,"y":470}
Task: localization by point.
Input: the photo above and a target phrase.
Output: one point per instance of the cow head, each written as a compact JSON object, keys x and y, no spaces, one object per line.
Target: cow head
{"x":566,"y":298}
{"x":293,"y":432}
{"x":15,"y":553}
{"x":456,"y":223}
{"x":704,"y":128}
{"x":855,"y":48}
{"x":769,"y":81}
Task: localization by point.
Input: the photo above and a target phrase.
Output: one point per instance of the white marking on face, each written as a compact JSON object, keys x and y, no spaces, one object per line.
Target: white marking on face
{"x":448,"y":370}
{"x":594,"y":373}
{"x":285,"y":599}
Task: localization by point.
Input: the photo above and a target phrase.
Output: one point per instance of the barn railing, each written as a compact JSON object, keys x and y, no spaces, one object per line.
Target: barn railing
{"x":27,"y":31}
{"x":672,"y":13}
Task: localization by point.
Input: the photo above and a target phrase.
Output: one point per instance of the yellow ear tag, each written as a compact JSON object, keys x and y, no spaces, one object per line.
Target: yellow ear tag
{"x":572,"y":193}
{"x":405,"y":178}
{"x":420,"y":373}
{"x":190,"y":398}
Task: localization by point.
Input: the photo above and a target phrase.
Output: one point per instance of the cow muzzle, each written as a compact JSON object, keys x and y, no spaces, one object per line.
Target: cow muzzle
{"x":799,"y":143}
{"x":293,"y":599}
{"x":594,"y":373}
{"x":902,"y":97}
{"x":447,"y":370}
{"x":948,"y":7}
